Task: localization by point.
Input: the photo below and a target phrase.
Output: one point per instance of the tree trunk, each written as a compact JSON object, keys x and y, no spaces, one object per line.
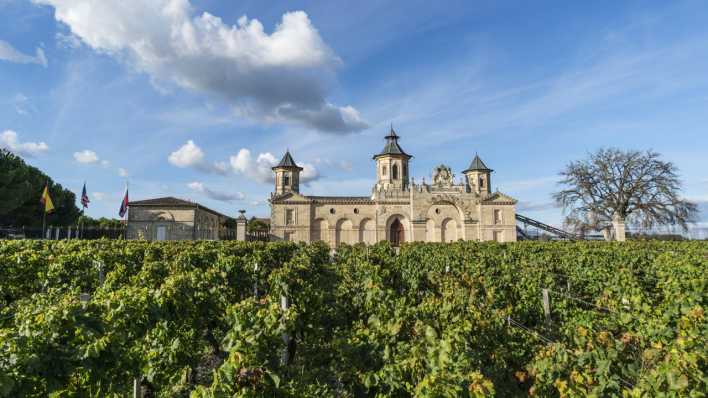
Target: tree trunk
{"x":618,"y":227}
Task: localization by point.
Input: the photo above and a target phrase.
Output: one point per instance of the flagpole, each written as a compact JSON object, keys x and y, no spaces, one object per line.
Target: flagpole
{"x":83,"y":212}
{"x":44,"y":211}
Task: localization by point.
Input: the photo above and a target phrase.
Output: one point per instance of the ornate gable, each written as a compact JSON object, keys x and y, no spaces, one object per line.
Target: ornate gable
{"x":499,"y":198}
{"x":289,"y":197}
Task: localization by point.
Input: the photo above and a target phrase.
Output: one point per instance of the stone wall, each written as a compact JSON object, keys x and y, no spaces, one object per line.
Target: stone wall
{"x":177,"y":223}
{"x":429,"y":217}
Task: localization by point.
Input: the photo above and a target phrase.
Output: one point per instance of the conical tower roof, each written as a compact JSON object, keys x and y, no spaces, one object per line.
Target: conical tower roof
{"x":392,"y":147}
{"x":477,"y":165}
{"x":287,"y":162}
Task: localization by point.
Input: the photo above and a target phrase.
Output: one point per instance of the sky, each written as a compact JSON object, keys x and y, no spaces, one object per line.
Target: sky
{"x":198,"y":99}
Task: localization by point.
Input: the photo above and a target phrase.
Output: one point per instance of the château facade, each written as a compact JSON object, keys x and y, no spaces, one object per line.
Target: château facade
{"x":398,"y":209}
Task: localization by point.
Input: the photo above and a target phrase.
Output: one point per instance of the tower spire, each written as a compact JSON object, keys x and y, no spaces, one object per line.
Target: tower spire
{"x":392,"y":134}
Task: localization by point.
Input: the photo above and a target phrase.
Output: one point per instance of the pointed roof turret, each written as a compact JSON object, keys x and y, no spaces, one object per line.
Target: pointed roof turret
{"x":392,"y":147}
{"x":287,"y":162}
{"x":477,"y":165}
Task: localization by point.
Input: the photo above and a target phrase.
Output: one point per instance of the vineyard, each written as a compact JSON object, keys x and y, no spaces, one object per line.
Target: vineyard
{"x":466,"y":319}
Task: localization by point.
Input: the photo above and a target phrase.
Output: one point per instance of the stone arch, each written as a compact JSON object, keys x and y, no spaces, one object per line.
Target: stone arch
{"x":320,"y":230}
{"x":404,"y":224}
{"x":344,"y":232}
{"x":445,"y":231}
{"x":448,"y":230}
{"x":367,"y":231}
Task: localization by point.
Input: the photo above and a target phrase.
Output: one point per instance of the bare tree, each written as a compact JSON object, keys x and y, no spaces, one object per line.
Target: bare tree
{"x":633,"y":187}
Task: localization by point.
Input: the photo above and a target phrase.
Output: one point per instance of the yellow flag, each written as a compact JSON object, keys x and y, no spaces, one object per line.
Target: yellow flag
{"x":46,"y":200}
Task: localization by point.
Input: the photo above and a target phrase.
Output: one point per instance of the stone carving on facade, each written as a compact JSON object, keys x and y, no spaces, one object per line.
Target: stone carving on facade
{"x":162,"y":216}
{"x":467,"y":207}
{"x":442,"y":176}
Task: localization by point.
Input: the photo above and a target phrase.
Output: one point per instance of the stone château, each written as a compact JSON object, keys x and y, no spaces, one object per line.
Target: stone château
{"x":398,"y":209}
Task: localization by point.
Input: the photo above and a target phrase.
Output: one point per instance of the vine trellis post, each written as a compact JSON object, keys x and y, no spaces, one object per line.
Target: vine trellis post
{"x":255,"y":281}
{"x":101,"y":273}
{"x":284,"y":306}
{"x":546,"y":306}
{"x":137,"y":391}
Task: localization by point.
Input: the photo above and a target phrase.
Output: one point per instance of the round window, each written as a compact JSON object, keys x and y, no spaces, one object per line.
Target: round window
{"x":437,"y":211}
{"x":356,"y":211}
{"x":331,"y":211}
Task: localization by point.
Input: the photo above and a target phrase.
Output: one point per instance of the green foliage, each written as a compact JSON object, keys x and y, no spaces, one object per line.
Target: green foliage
{"x":257,"y":224}
{"x":21,"y":187}
{"x":102,"y":222}
{"x":433,"y":321}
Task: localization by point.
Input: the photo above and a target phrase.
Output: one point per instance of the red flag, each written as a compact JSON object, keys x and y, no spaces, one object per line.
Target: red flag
{"x":84,"y":197}
{"x":124,"y":204}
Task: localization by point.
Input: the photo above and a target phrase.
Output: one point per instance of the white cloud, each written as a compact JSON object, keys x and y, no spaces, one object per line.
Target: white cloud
{"x":9,"y":53}
{"x":281,"y":76}
{"x":9,"y":141}
{"x":105,"y":163}
{"x":67,"y":40}
{"x":187,"y":155}
{"x":86,"y":156}
{"x":260,"y":169}
{"x":98,"y":195}
{"x":122,"y":172}
{"x":216,"y":195}
{"x":191,"y":155}
{"x":21,"y":104}
{"x":309,"y":173}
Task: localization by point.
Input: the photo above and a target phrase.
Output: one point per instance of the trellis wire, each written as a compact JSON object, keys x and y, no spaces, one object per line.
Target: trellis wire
{"x":512,"y":322}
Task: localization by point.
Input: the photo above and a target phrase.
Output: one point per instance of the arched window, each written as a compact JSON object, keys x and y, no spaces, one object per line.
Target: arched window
{"x":286,"y":179}
{"x":481,"y":182}
{"x":394,"y":172}
{"x":383,"y":170}
{"x":405,"y":171}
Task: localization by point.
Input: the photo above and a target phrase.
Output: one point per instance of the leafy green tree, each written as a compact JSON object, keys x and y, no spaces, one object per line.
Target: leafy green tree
{"x":103,"y":222}
{"x":257,"y":224}
{"x":21,"y":187}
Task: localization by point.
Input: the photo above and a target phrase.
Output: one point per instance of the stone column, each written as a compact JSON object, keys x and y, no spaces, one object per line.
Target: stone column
{"x":418,"y":231}
{"x":618,"y":226}
{"x":241,"y":225}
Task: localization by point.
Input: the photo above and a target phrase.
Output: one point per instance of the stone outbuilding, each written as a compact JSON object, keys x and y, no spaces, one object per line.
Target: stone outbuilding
{"x":170,"y":218}
{"x":398,"y":209}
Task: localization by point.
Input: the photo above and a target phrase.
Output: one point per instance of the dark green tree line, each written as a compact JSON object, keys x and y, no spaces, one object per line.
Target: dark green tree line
{"x":21,"y":186}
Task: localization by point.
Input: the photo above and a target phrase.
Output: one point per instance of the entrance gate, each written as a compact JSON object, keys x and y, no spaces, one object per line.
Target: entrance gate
{"x":396,"y":233}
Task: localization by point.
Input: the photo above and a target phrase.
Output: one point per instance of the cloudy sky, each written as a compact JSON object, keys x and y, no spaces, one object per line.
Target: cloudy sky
{"x":198,"y":98}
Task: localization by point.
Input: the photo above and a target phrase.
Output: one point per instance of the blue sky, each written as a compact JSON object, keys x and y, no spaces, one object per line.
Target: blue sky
{"x":196,"y":99}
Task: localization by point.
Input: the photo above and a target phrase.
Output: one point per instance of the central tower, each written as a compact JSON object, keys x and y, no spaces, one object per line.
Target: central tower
{"x":392,"y":165}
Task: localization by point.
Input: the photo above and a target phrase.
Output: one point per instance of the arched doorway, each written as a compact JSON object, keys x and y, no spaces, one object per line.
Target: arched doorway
{"x":396,"y":233}
{"x":449,"y":230}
